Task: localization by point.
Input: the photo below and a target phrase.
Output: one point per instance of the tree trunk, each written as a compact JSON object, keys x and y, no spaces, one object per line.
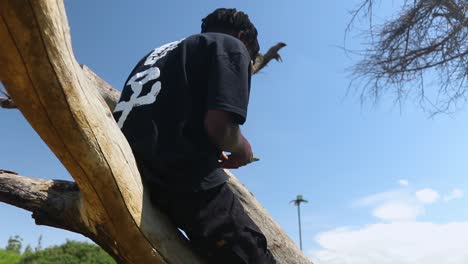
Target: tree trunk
{"x":62,"y":103}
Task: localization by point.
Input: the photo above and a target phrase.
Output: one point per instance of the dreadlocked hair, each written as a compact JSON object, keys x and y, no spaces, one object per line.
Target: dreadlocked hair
{"x":231,"y":21}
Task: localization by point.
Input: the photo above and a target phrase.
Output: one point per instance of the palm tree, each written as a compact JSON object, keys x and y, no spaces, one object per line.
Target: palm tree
{"x":297,"y":202}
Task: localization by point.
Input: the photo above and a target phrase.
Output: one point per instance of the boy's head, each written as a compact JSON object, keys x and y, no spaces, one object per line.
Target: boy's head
{"x":234,"y":23}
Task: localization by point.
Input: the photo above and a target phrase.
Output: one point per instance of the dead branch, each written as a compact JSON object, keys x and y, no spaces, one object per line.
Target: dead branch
{"x":427,"y":40}
{"x":54,"y":203}
{"x":264,"y":59}
{"x":7,"y":103}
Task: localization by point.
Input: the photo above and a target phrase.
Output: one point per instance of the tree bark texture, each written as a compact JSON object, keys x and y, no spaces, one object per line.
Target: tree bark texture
{"x":43,"y":78}
{"x":69,"y":107}
{"x":54,"y":203}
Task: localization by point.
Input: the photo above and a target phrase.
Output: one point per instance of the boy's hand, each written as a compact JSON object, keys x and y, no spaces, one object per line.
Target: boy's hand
{"x":238,"y":159}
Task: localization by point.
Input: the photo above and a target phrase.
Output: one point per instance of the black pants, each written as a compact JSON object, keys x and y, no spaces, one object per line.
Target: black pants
{"x":216,"y":224}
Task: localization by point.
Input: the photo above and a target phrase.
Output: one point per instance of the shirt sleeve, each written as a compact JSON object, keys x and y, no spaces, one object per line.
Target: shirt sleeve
{"x":229,"y":79}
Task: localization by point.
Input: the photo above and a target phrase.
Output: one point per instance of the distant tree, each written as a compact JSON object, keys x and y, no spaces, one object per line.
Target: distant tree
{"x":71,"y":252}
{"x":14,"y":244}
{"x":39,"y":244}
{"x":425,"y":45}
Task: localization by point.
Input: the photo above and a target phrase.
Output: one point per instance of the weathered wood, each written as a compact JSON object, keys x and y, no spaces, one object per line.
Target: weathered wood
{"x":279,"y":243}
{"x":110,"y":95}
{"x":62,"y":103}
{"x":264,"y":59}
{"x":54,"y":203}
{"x":50,"y":89}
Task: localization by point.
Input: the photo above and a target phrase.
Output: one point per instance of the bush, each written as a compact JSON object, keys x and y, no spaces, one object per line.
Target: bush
{"x":9,"y":257}
{"x":71,"y":252}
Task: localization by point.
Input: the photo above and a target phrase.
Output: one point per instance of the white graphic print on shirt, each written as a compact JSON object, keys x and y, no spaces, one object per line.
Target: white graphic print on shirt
{"x":149,"y":74}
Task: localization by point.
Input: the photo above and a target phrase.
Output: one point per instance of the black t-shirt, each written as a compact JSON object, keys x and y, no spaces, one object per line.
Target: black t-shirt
{"x":163,"y":104}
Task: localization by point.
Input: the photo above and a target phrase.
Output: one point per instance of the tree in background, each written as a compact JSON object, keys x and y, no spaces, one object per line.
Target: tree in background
{"x":424,"y":46}
{"x":39,"y":244}
{"x":72,"y":252}
{"x":14,"y":244}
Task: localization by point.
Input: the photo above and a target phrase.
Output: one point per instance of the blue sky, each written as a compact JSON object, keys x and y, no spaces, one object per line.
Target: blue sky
{"x":383,"y":183}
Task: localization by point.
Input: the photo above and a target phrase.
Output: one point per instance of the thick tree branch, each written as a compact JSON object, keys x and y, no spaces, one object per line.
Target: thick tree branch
{"x":283,"y":248}
{"x":68,"y":113}
{"x":264,"y":59}
{"x":54,"y":203}
{"x":108,"y":93}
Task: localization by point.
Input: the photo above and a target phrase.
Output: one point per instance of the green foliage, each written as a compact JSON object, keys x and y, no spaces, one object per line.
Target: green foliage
{"x":71,"y":252}
{"x":28,"y":250}
{"x":9,"y":257}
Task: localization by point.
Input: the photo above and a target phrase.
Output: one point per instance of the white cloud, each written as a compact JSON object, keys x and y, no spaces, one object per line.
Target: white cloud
{"x":379,"y":198}
{"x":395,"y":205}
{"x":403,"y":183}
{"x":455,"y":194}
{"x":398,"y":211}
{"x":399,"y":238}
{"x":427,"y":196}
{"x":398,"y":242}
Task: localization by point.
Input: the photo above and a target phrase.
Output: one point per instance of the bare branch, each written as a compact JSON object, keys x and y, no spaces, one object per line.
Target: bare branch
{"x":272,"y":53}
{"x":108,"y":93}
{"x":7,"y":103}
{"x":53,"y":203}
{"x":429,"y":38}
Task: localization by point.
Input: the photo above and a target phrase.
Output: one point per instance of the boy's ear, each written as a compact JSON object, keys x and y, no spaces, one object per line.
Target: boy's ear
{"x":241,"y":36}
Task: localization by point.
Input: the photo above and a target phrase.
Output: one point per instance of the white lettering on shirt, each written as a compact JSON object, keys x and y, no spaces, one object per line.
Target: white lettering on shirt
{"x":137,"y":86}
{"x":161,"y":52}
{"x":150,"y":74}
